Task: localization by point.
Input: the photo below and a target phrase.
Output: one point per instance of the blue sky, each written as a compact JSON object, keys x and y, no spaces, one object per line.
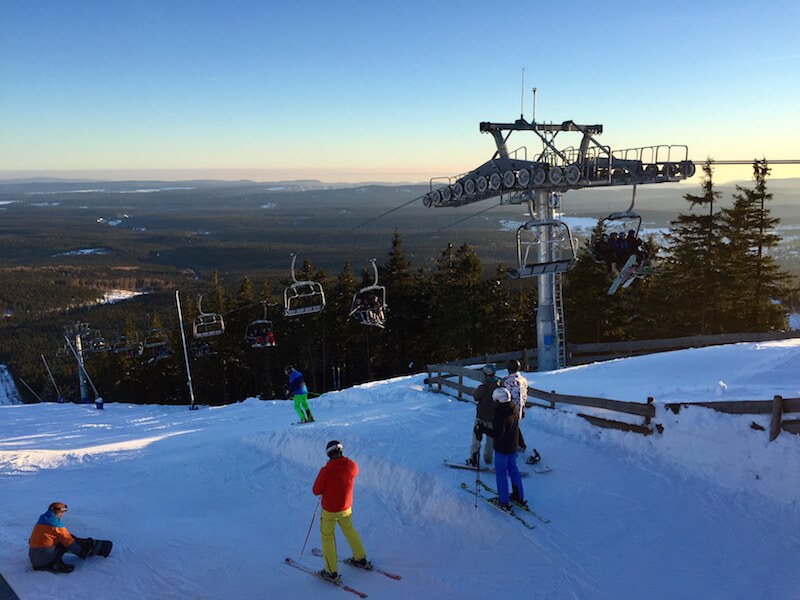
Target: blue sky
{"x":356,"y":91}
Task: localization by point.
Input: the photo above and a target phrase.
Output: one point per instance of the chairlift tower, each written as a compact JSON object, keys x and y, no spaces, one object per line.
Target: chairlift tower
{"x":76,"y":332}
{"x":541,"y":180}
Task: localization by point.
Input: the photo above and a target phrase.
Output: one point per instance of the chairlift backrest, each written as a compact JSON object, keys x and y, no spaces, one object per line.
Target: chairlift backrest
{"x":369,"y":303}
{"x":302,"y":297}
{"x":544,"y":246}
{"x":207,"y":325}
{"x":259,"y":333}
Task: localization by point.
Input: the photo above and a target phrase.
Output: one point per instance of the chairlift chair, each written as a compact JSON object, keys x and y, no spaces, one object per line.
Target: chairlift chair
{"x":156,"y":338}
{"x":559,"y":248}
{"x":620,"y":223}
{"x":127,"y":344}
{"x":97,"y":344}
{"x":369,"y":303}
{"x":302,"y":297}
{"x":207,"y":325}
{"x":259,"y":333}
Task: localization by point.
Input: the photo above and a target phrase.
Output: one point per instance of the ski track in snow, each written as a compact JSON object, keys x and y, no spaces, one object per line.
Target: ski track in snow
{"x":205,"y":504}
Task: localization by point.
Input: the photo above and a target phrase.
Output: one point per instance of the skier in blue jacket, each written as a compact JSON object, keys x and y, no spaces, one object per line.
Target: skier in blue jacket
{"x":299,"y":392}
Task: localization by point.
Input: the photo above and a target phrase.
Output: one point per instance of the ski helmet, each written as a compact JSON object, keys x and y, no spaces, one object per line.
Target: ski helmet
{"x":501,"y":395}
{"x":489,"y":369}
{"x":334,"y":448}
{"x":288,"y":369}
{"x":513,"y":365}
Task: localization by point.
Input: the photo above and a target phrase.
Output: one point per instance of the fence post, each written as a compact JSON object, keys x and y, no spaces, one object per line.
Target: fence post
{"x":460,"y":383}
{"x":439,"y":380}
{"x":777,"y":415}
{"x":647,"y":419}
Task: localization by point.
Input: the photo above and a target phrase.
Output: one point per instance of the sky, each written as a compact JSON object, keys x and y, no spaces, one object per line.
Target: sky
{"x":373,"y":91}
{"x":206,"y":504}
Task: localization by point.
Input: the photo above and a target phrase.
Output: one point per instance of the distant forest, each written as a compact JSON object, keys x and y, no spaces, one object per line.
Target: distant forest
{"x":714,"y":274}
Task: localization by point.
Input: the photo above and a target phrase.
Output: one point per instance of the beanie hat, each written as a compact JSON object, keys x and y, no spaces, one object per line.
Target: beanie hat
{"x":333,"y":448}
{"x":501,"y":395}
{"x":489,"y":369}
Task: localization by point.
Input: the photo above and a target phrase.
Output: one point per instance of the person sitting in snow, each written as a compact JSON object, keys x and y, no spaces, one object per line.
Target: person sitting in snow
{"x":50,"y":540}
{"x":335,"y":484}
{"x":484,"y":413}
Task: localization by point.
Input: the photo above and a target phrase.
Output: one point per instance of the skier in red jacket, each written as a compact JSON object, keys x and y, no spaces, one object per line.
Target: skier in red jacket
{"x":335,"y":484}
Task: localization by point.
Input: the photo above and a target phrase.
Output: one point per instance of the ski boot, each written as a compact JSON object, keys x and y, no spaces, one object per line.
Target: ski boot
{"x":361,"y":564}
{"x":501,"y":506}
{"x":332,"y":577}
{"x":472,"y":461}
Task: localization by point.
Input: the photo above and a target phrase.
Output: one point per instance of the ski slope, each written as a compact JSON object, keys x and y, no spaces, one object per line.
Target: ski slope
{"x":206,"y":504}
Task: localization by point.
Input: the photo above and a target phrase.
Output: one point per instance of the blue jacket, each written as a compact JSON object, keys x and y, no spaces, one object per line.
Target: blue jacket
{"x":296,"y":384}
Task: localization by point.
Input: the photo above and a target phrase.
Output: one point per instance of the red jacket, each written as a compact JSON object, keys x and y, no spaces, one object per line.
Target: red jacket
{"x":335,"y":483}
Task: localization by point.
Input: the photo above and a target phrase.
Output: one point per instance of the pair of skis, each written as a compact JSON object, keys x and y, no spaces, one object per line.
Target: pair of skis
{"x":492,"y":501}
{"x":629,"y":273}
{"x":338,"y":582}
{"x":527,"y":509}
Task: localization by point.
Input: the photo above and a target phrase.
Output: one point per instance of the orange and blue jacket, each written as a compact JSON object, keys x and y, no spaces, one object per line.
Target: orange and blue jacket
{"x":335,"y":483}
{"x":49,"y":531}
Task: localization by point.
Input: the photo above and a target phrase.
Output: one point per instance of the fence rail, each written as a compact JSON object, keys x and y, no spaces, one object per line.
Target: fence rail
{"x":441,"y":379}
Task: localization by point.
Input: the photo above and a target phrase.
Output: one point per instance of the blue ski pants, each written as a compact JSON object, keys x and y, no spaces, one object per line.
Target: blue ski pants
{"x":505,"y":466}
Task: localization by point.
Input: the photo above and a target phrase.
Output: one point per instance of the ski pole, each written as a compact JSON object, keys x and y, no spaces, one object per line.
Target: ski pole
{"x":313,"y":518}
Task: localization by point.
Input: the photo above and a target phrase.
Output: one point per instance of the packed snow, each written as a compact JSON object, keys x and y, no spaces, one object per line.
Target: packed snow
{"x":206,"y":504}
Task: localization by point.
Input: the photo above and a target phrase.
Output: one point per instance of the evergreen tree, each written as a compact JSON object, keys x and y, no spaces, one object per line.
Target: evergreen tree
{"x":692,"y":276}
{"x":756,"y":282}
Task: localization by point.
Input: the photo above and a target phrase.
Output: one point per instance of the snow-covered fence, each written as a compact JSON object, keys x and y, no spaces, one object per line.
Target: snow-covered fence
{"x":580,"y":354}
{"x":645,"y":410}
{"x":454,"y":380}
{"x":777,"y":407}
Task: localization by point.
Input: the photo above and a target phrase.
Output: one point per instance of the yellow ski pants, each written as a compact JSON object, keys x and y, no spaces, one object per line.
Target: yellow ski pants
{"x":327,"y":525}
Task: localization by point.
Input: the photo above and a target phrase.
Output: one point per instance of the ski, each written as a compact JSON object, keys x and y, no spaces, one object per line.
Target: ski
{"x":540,"y":469}
{"x":310,"y":571}
{"x":488,"y":501}
{"x":455,"y":465}
{"x":318,"y":552}
{"x":626,"y":271}
{"x":527,"y":509}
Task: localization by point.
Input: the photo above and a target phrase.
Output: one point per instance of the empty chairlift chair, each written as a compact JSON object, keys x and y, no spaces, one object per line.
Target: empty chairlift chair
{"x":207,"y":325}
{"x":302,"y":297}
{"x":543,"y":246}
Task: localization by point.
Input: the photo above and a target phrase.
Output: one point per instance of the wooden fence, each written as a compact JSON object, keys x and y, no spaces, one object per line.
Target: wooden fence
{"x":776,"y":407}
{"x":456,"y":379}
{"x":450,"y":379}
{"x":580,"y":354}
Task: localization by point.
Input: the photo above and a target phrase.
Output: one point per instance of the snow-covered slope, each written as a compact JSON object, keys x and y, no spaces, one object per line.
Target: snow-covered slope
{"x":207,"y":503}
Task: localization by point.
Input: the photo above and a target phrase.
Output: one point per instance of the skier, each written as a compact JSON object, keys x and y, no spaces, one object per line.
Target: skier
{"x":507,"y":439}
{"x":517,"y":386}
{"x":299,"y":391}
{"x":484,"y":413}
{"x":50,"y":539}
{"x":335,"y":484}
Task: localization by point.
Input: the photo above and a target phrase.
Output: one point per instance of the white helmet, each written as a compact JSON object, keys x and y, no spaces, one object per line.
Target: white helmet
{"x":501,"y":395}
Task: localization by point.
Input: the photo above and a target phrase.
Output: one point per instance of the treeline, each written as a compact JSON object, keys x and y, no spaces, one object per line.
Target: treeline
{"x":714,"y":275}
